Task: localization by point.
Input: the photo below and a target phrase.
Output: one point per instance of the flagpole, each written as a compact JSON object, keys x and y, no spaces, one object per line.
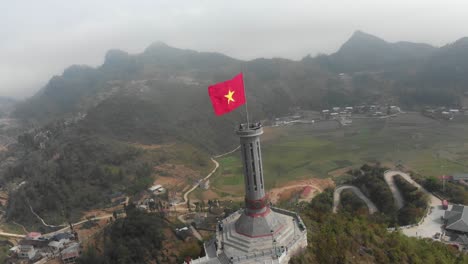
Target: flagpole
{"x":245,"y":95}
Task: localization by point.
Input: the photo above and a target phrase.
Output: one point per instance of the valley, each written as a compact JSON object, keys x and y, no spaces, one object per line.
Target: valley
{"x":304,"y":151}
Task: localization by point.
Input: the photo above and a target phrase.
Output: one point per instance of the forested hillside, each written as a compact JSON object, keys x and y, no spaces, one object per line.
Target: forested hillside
{"x":161,"y":95}
{"x":148,"y":96}
{"x":352,"y":238}
{"x":63,"y":170}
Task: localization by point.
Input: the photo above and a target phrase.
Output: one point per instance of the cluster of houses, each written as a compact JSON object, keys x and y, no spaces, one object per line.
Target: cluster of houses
{"x":152,"y":200}
{"x":370,"y":110}
{"x":443,"y":112}
{"x":336,"y":112}
{"x":290,"y":120}
{"x":36,"y":248}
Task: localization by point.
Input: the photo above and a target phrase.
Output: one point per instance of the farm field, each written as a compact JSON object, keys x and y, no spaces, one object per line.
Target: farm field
{"x":324,"y":149}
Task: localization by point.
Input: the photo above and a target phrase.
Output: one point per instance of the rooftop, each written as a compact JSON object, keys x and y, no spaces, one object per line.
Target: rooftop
{"x":457,"y":218}
{"x":460,"y":176}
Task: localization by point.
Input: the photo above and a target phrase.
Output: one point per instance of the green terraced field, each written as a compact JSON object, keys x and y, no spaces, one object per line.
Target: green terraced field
{"x":427,"y":146}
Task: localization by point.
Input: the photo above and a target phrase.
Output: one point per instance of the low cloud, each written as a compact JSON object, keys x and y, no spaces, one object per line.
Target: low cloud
{"x":41,"y":38}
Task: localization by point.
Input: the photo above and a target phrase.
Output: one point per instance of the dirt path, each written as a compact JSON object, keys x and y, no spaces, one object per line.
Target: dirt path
{"x":42,"y":220}
{"x":11,"y":235}
{"x":195,"y":232}
{"x":337,"y":193}
{"x":66,"y":228}
{"x":317,"y":184}
{"x":77,"y":224}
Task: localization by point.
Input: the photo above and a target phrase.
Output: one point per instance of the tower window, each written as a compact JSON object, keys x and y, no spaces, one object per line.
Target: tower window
{"x":246,"y":166}
{"x":253,"y":166}
{"x":260,"y":164}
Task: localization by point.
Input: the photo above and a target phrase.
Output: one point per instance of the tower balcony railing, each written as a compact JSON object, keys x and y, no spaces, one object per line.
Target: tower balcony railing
{"x":253,"y":129}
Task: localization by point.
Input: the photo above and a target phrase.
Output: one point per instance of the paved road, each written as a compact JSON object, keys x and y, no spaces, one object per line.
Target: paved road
{"x":389,"y":177}
{"x":337,"y":193}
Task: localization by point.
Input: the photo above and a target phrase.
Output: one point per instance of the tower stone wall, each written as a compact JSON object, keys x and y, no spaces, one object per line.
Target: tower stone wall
{"x":256,"y":201}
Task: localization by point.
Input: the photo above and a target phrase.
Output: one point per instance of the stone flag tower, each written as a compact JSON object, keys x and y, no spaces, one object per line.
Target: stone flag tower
{"x":257,"y":219}
{"x":258,"y":233}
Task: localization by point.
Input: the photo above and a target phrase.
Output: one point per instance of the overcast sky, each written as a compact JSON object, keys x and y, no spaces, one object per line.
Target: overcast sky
{"x":38,"y":39}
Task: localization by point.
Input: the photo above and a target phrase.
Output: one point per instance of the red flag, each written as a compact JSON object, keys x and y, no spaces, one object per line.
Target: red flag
{"x":227,"y":96}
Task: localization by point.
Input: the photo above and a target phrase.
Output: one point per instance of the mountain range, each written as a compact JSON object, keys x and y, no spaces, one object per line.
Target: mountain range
{"x":160,"y":94}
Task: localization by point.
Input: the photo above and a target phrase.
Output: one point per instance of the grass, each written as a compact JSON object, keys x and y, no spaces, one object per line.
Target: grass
{"x":426,"y":146}
{"x":11,"y":228}
{"x":3,"y":252}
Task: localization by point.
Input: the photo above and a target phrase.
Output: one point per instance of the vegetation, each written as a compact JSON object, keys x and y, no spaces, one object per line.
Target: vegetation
{"x":61,"y":172}
{"x":321,"y":150}
{"x":454,"y":192}
{"x":415,"y":202}
{"x":343,"y":238}
{"x":5,"y":245}
{"x":371,"y":182}
{"x":136,"y":238}
{"x":63,"y":180}
{"x":352,"y":204}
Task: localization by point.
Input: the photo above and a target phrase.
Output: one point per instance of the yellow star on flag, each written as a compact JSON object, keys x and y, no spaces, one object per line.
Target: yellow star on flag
{"x":229,"y":96}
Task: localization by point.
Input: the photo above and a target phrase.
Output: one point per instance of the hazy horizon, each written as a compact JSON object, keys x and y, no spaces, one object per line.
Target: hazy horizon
{"x":43,"y":38}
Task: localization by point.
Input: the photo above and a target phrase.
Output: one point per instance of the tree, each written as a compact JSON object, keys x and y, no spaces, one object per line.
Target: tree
{"x":136,"y":238}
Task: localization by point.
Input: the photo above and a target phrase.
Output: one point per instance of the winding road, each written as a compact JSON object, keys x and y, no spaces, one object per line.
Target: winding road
{"x":337,"y":193}
{"x":186,"y":194}
{"x":389,"y":177}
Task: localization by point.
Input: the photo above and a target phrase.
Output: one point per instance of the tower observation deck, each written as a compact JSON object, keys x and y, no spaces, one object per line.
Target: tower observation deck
{"x":257,"y":233}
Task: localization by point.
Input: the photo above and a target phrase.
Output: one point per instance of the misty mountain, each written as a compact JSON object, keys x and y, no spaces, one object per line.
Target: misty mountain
{"x":7,"y":105}
{"x":161,"y":94}
{"x":365,"y":52}
{"x":448,"y":66}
